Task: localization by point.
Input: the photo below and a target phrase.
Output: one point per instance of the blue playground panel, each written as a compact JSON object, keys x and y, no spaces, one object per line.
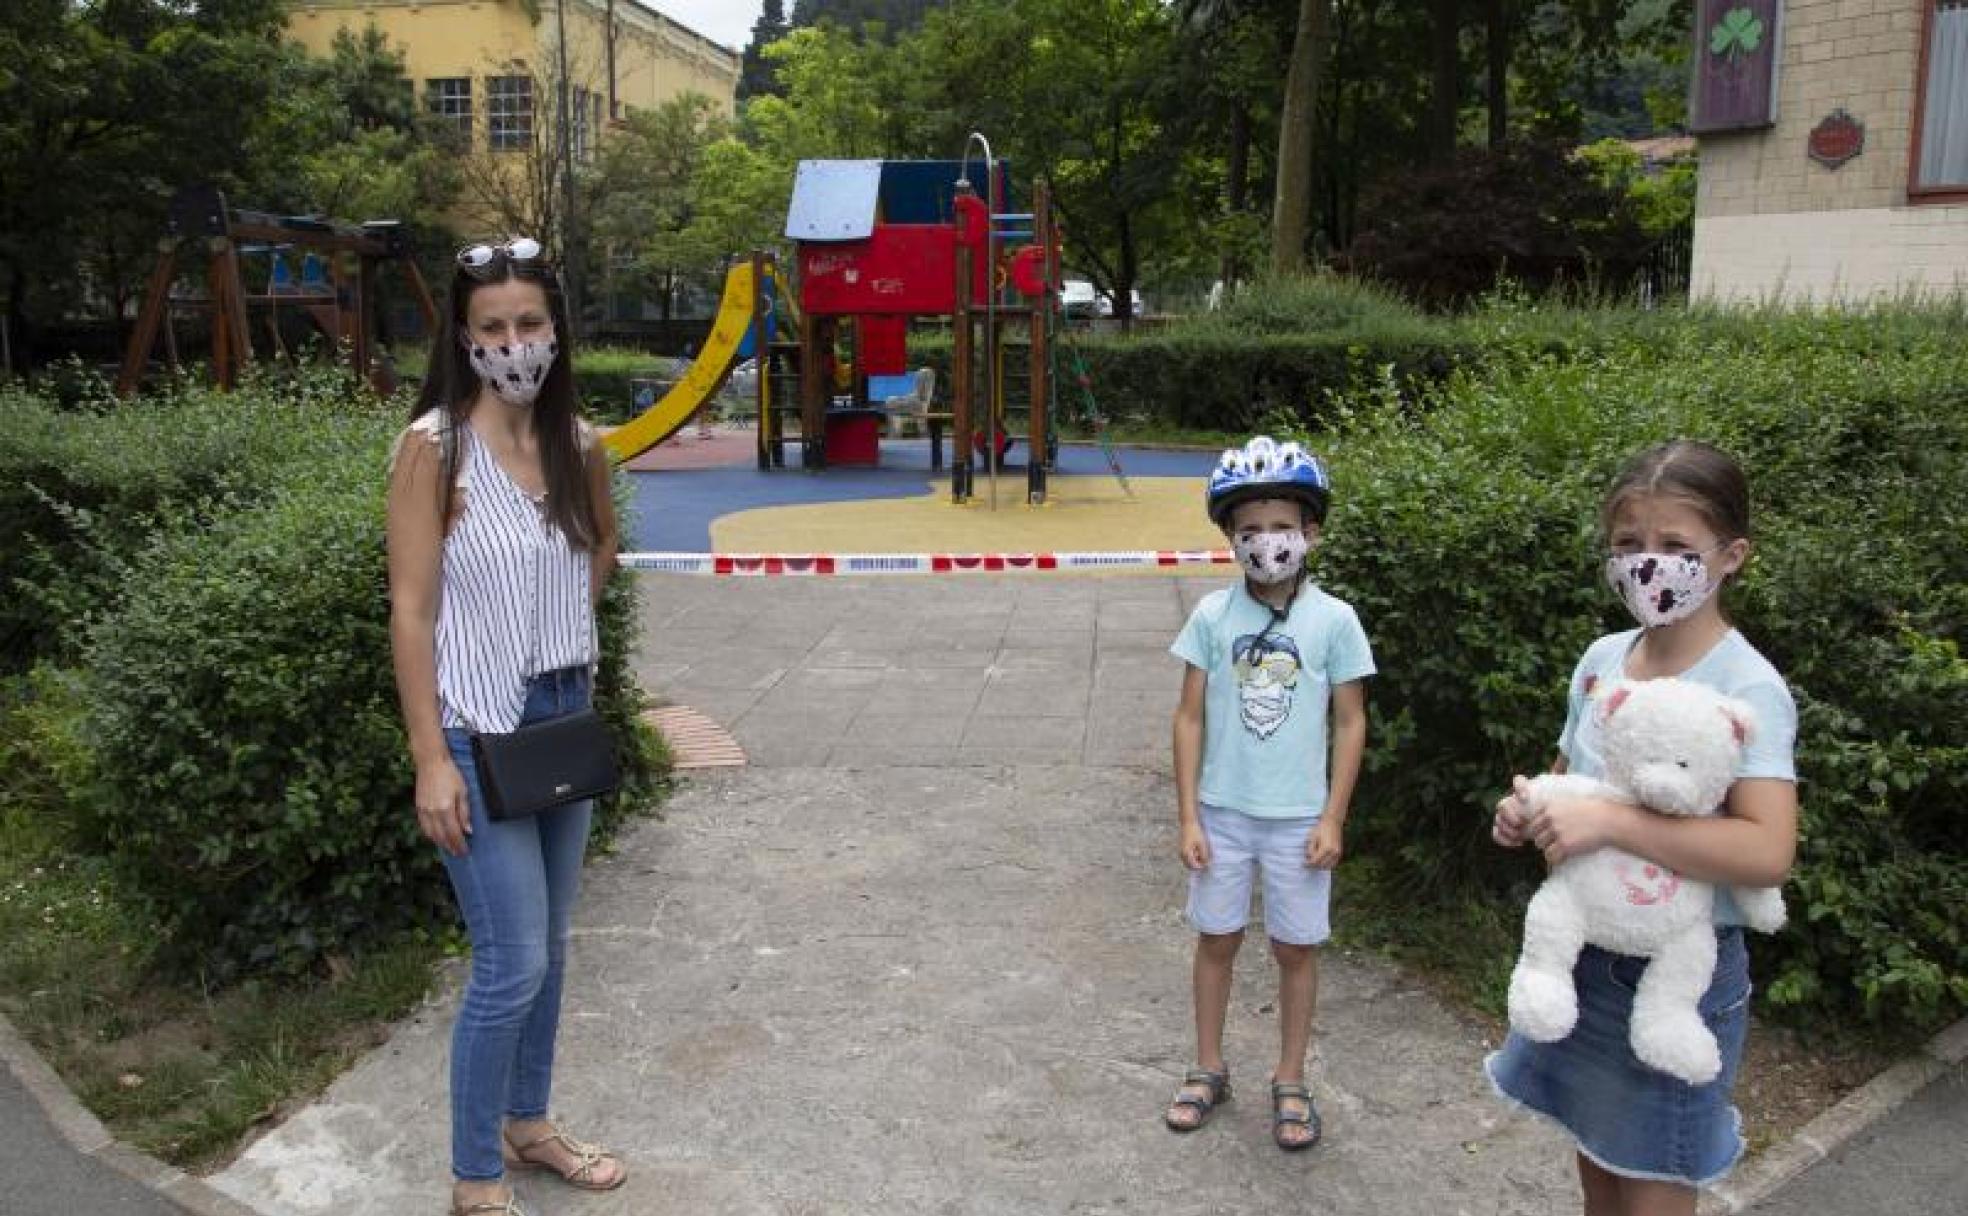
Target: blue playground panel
{"x":673,"y":508}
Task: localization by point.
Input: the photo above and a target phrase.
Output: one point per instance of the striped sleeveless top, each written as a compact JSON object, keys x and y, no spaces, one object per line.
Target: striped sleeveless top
{"x":514,"y":597}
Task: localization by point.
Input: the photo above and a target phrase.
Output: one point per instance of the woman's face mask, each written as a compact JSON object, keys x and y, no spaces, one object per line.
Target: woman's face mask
{"x":1270,"y":558}
{"x":515,"y":371}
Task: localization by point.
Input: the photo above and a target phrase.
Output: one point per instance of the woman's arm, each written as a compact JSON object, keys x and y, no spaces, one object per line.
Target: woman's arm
{"x":1750,"y":846}
{"x":416,"y":541}
{"x":608,"y":540}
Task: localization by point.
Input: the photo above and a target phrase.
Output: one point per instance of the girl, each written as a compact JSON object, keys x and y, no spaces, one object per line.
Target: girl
{"x":501,"y":534}
{"x":1677,"y":525}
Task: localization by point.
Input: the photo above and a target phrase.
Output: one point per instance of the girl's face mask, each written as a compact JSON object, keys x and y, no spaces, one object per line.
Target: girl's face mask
{"x":515,"y":371}
{"x":1270,"y":558}
{"x":1660,"y":588}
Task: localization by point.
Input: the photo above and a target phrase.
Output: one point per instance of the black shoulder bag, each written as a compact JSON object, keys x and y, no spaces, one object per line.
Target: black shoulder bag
{"x":548,"y":764}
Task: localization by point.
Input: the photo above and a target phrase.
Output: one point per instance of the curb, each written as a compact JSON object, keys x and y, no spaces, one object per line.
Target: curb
{"x":1856,"y":1112}
{"x":89,"y":1138}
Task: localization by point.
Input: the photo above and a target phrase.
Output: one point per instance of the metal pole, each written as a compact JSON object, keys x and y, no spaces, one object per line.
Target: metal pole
{"x":569,"y":250}
{"x":993,"y":377}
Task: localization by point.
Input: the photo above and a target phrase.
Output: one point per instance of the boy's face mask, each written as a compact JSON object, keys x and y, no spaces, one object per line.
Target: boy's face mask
{"x":1270,"y":558}
{"x":515,"y":371}
{"x":1659,"y":588}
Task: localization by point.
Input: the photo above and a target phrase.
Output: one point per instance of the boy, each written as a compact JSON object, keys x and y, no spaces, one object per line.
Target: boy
{"x":1264,"y":659}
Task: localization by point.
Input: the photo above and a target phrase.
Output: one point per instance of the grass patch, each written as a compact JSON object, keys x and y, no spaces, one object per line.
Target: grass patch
{"x":1462,"y":948}
{"x":178,"y":1070}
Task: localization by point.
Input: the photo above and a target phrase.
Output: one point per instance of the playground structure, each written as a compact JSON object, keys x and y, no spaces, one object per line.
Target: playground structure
{"x":881,"y":242}
{"x":878,"y":243}
{"x":335,"y":288}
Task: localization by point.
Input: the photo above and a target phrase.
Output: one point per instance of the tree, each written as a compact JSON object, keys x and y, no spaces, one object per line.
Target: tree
{"x":1291,"y":212}
{"x":756,"y":78}
{"x":104,"y":110}
{"x":645,"y":190}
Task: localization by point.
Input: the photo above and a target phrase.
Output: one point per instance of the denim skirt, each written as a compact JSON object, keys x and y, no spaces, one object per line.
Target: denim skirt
{"x":1628,"y":1118}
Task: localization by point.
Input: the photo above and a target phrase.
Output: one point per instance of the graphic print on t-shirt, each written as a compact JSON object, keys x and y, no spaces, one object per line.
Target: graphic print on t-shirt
{"x":1267,"y":667}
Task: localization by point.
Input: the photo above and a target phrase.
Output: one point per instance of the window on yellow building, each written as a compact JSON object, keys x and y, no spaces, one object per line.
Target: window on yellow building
{"x":583,"y":128}
{"x":1941,"y":126}
{"x":509,"y":113}
{"x":449,"y":98}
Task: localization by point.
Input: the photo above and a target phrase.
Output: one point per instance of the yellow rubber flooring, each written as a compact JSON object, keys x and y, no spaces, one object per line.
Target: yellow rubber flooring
{"x":1082,"y":514}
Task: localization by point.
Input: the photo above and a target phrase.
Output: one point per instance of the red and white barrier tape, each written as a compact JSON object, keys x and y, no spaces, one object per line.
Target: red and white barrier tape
{"x":807,"y":564}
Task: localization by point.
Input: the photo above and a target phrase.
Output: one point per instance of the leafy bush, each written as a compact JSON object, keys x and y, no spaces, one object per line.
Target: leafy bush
{"x":1278,"y":350}
{"x":1465,"y":534}
{"x":82,"y":487}
{"x":254,"y":791}
{"x":603,"y":379}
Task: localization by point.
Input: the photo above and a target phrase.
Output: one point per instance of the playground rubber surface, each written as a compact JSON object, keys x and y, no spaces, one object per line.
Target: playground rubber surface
{"x":694,"y":495}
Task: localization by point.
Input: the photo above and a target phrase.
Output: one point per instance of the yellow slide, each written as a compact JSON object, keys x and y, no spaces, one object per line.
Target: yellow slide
{"x":706,"y":375}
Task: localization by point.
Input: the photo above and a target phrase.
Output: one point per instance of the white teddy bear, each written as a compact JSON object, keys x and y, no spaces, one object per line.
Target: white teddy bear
{"x":1672,"y":747}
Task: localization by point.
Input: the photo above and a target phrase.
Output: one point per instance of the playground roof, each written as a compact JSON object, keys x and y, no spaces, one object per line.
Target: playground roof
{"x":841,"y":200}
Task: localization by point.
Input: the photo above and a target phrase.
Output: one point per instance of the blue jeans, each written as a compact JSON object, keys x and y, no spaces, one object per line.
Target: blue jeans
{"x":516,"y":886}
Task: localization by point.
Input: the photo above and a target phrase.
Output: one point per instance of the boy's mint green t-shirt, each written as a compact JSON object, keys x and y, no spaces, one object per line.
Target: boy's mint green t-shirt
{"x":1264,"y":714}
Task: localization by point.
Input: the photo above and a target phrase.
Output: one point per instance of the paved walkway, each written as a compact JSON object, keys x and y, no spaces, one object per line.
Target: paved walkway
{"x":926,"y":955}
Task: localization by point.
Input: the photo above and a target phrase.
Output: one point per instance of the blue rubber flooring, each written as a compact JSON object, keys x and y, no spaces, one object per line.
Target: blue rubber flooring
{"x":673,"y":509}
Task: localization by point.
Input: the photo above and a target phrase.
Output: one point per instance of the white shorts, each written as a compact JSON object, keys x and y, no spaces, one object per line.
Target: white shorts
{"x":1296,"y":896}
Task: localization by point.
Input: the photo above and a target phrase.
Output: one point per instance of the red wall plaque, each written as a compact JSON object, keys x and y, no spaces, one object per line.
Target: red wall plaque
{"x":1837,"y":138}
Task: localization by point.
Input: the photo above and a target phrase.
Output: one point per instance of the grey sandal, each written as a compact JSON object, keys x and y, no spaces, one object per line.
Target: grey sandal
{"x":1218,"y":1085}
{"x":1285,"y":1091}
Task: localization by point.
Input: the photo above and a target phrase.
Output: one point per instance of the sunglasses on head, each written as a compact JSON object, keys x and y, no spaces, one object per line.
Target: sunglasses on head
{"x":475,"y":258}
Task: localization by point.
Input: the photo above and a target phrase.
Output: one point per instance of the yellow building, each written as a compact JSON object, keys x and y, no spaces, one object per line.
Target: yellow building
{"x":492,"y":67}
{"x":1834,"y":148}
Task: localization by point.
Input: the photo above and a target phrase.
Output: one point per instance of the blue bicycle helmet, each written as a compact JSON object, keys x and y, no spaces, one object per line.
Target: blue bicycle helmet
{"x":1265,"y":469}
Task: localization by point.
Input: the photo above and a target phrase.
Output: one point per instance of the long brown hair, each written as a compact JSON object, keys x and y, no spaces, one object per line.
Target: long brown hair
{"x":451,"y":385}
{"x":1699,"y":474}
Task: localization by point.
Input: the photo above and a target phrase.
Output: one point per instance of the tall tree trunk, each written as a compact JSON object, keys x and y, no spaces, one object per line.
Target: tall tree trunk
{"x":1445,"y":62}
{"x":1291,"y":213}
{"x":1236,"y":192}
{"x":1497,"y":20}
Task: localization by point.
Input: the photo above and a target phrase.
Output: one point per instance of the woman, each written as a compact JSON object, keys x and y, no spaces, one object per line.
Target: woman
{"x":501,"y":533}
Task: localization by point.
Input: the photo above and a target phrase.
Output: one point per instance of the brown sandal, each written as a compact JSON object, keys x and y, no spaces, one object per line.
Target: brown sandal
{"x":586,"y":1157}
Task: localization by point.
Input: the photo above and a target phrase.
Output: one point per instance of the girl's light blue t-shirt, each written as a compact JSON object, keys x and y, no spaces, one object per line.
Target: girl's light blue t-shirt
{"x":1264,"y":714}
{"x":1731,"y":667}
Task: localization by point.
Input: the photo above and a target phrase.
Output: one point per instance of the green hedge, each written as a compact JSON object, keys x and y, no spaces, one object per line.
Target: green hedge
{"x":1464,"y":533}
{"x":603,"y":376}
{"x":226,"y":730}
{"x":82,"y":484}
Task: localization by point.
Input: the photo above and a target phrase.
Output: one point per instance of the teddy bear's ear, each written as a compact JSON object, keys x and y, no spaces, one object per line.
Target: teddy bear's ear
{"x":1742,"y":721}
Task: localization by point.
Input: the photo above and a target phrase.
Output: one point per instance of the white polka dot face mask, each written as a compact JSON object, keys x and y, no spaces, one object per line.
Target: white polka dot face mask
{"x":1659,"y":588}
{"x":1271,"y":558}
{"x":515,"y":371}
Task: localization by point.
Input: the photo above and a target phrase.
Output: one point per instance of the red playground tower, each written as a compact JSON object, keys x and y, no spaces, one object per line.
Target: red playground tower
{"x":879,"y":242}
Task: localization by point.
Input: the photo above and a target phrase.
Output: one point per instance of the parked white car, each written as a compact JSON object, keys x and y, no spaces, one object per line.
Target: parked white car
{"x":1077,"y":298}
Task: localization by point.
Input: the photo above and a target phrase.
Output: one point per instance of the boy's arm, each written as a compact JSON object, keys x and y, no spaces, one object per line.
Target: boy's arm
{"x":1349,"y":744}
{"x":1189,"y":764}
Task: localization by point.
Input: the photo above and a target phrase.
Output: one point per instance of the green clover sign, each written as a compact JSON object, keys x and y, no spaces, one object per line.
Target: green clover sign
{"x":1739,"y":33}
